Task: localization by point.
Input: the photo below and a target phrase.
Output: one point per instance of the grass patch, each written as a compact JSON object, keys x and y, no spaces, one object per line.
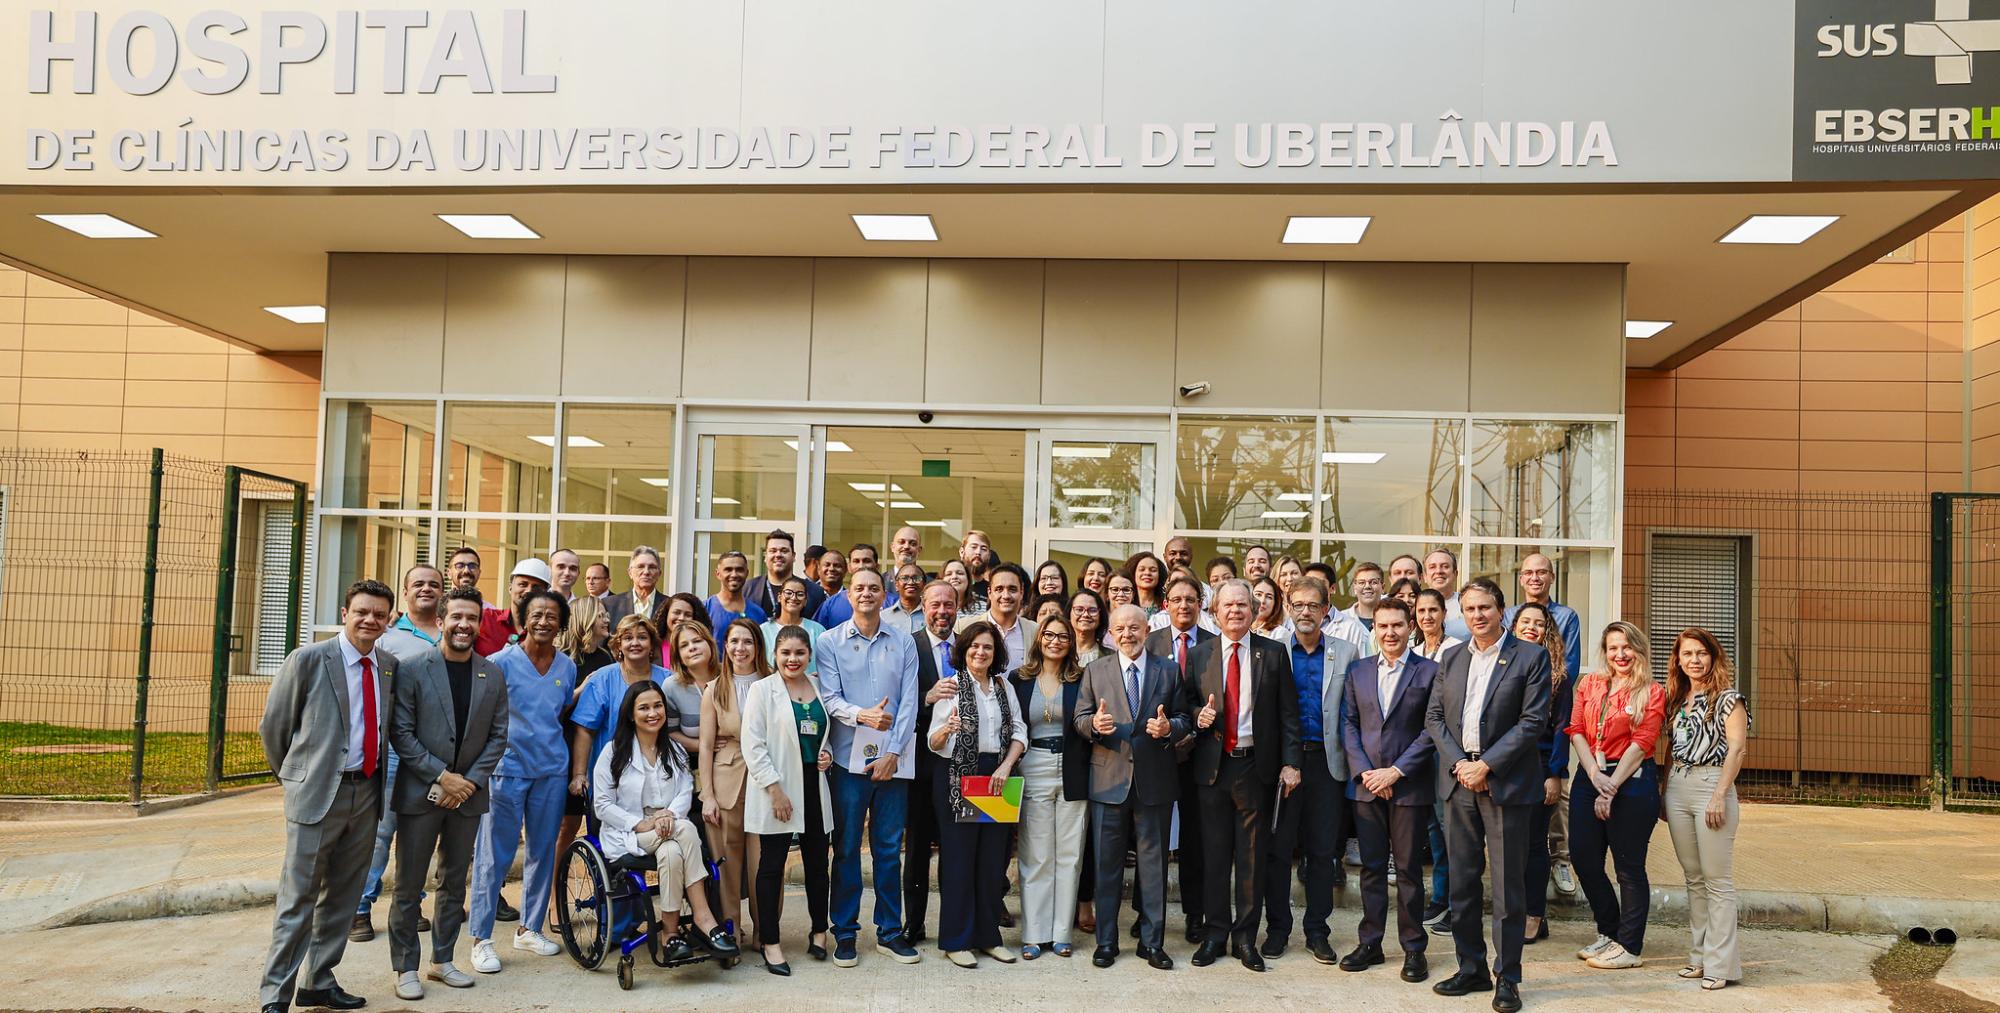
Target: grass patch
{"x":34,"y":761}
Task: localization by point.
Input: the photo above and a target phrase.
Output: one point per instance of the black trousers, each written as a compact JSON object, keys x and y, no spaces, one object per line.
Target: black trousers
{"x":1115,"y":828}
{"x":972,"y":865}
{"x":920,"y":833}
{"x":1313,"y":820}
{"x":814,"y":848}
{"x":1539,"y":861}
{"x":1386,"y":829}
{"x":1233,"y":814}
{"x":1622,"y":915}
{"x":1478,"y":830}
{"x":1192,"y":841}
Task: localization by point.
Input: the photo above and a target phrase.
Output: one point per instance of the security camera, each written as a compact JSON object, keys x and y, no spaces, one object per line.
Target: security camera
{"x":925,"y":417}
{"x":1196,"y":389}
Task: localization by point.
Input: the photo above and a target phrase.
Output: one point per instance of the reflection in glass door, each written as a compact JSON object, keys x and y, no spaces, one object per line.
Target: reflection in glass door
{"x":1096,"y":497}
{"x":942,"y":482}
{"x":748,"y":480}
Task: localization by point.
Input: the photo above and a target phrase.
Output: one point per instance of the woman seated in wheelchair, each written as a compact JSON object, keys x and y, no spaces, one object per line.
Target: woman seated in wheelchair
{"x":642,"y":790}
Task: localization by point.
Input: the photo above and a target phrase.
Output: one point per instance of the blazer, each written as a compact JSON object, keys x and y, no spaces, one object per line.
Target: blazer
{"x":1337,"y":655}
{"x":619,"y":605}
{"x":1076,"y":748}
{"x":1128,"y":764}
{"x":621,"y":804}
{"x":1400,"y":740}
{"x":758,"y":589}
{"x":1161,"y":642}
{"x":722,"y":779}
{"x":1512,"y":721}
{"x":771,"y":756}
{"x":304,"y":727}
{"x":927,"y":677}
{"x":1274,"y":707}
{"x":428,"y":742}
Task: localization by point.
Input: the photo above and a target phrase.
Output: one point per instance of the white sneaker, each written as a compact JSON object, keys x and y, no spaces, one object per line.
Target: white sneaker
{"x":535,"y":942}
{"x":1615,"y":957}
{"x":1586,"y":953}
{"x":451,"y":976}
{"x":408,"y":987}
{"x":484,"y":960}
{"x":1565,"y":878}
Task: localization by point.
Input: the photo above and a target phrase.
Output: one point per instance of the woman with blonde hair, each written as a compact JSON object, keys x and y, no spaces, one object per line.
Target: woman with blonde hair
{"x":1534,"y":624}
{"x":1711,"y":729}
{"x":722,"y":770}
{"x":1615,"y":796}
{"x":587,"y":642}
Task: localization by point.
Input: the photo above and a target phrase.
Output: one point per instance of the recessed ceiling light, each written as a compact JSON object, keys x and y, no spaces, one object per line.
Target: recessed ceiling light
{"x":1101,"y":510}
{"x":574,"y":441}
{"x":300,"y":314}
{"x":927,"y":524}
{"x":1088,"y":492}
{"x":490,"y":226}
{"x":1352,"y":456}
{"x":1077,"y":451}
{"x":896,"y":228}
{"x":900,"y":504}
{"x":1778,"y":229}
{"x":98,"y":226}
{"x":1326,"y":231}
{"x":1285,"y":515}
{"x":1645,"y":328}
{"x":725,"y":501}
{"x":832,"y":447}
{"x":875,"y":487}
{"x":1302,"y":497}
{"x":657,"y":483}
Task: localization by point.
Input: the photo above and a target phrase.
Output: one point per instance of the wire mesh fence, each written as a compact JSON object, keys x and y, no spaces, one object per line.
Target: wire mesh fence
{"x":1969,"y":539}
{"x":108,"y":626}
{"x":1833,"y":597}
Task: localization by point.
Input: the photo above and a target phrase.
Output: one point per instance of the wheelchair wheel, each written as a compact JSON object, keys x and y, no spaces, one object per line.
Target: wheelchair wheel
{"x":625,"y":972}
{"x":583,"y":906}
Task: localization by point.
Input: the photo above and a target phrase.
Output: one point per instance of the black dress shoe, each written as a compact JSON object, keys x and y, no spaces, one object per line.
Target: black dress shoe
{"x":915,"y":937}
{"x":1159,"y":959}
{"x":1135,"y":930}
{"x":1435,"y":910}
{"x":1506,"y":997}
{"x":1322,"y":951}
{"x":1006,"y":916}
{"x":677,"y":950}
{"x":331,"y":998}
{"x":1441,"y":927}
{"x":1463,"y":983}
{"x":504,"y":912}
{"x":1211,"y":950}
{"x":815,"y":950}
{"x":723,"y":943}
{"x":1275,"y":946}
{"x":423,"y":923}
{"x":1197,"y":929}
{"x":361,"y":931}
{"x":1415,"y":967}
{"x":1362,"y":957}
{"x":1105,"y":956}
{"x":1249,"y":956}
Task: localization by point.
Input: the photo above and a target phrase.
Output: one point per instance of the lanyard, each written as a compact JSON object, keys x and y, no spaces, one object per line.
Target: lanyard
{"x":1603,"y":713}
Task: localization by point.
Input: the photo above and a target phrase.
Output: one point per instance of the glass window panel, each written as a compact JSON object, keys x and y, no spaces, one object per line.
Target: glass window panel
{"x":353,"y":548}
{"x":380,"y":455}
{"x":708,"y":549}
{"x":1391,"y":476}
{"x":748,"y":478}
{"x":1582,"y":581}
{"x":943,"y":482}
{"x":1245,"y":474}
{"x":1543,"y":479}
{"x":1206,"y":549}
{"x":499,"y":458}
{"x":611,"y":543}
{"x":1344,"y":556}
{"x":501,"y":544}
{"x":617,"y":460}
{"x":1102,"y":485}
{"x":1073,"y":555}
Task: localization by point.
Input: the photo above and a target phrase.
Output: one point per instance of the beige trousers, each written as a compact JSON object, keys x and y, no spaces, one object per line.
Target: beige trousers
{"x":678,"y":856}
{"x":1708,"y":859}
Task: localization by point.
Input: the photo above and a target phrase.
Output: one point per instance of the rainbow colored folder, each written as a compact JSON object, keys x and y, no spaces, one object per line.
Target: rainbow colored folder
{"x":995,"y":801}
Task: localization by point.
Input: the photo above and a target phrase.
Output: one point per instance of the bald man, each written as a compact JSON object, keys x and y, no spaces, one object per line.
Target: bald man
{"x":1538,"y":581}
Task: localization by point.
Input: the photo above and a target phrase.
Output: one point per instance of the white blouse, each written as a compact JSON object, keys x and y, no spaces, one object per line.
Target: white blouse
{"x":642,"y":789}
{"x":990,"y":740}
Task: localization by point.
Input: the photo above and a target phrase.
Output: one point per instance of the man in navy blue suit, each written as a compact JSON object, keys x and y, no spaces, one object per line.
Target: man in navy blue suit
{"x":1390,"y":753}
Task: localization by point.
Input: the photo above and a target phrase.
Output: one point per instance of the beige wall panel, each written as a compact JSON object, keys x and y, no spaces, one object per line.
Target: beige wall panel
{"x":13,"y":310}
{"x":867,"y":329}
{"x":76,"y":311}
{"x":175,"y":393}
{"x":618,"y":311}
{"x":1108,"y":332}
{"x":385,"y":323}
{"x":75,"y":337}
{"x":1252,"y":330}
{"x":1548,"y":337}
{"x":503,"y":325}
{"x":985,"y":322}
{"x":176,"y":366}
{"x":70,"y":418}
{"x":274,"y":395}
{"x":104,"y":393}
{"x":176,"y":421}
{"x":78,"y":365}
{"x":13,"y":281}
{"x":1379,"y":320}
{"x":749,"y":328}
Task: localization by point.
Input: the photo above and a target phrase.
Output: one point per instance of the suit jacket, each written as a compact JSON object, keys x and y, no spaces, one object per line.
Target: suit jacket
{"x":428,"y":741}
{"x":1161,"y":642}
{"x":1400,"y":740}
{"x":721,"y":777}
{"x":1515,"y":713}
{"x":1129,"y":762}
{"x":927,"y":677}
{"x":759,"y":590}
{"x":1274,"y":707}
{"x":1337,"y":655}
{"x":619,"y":606}
{"x":1076,"y":748}
{"x":305,"y":725}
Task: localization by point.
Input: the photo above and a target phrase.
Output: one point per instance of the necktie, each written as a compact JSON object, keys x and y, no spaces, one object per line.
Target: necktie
{"x":1232,"y":678}
{"x":1180,"y":651}
{"x":945,"y":670}
{"x":368,"y":745}
{"x":1132,"y":689}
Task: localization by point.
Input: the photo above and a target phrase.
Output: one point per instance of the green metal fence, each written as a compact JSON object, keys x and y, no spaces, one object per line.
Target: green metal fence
{"x":115,"y":641}
{"x":1965,"y":649}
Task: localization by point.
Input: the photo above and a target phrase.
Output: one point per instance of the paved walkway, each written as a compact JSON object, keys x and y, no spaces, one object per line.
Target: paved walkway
{"x":1852,"y":870}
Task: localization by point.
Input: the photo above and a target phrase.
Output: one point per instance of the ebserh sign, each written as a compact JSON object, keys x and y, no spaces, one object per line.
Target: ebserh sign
{"x":1897,"y":89}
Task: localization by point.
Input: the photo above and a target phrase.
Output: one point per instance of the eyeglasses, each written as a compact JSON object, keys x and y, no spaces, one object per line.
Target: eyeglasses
{"x":794,"y":595}
{"x":1300,"y":606}
{"x":909,"y":580}
{"x":1085,"y":611}
{"x":1056,"y":636}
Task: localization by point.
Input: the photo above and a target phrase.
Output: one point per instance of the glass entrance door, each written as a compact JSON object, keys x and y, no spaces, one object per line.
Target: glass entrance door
{"x":748,"y":479}
{"x":1097,"y":494}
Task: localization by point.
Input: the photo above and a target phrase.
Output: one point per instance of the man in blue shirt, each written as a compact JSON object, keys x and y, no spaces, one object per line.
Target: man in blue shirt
{"x":1313,"y":819}
{"x":868,"y":682}
{"x":729,"y":603}
{"x":839,"y":608}
{"x":1538,"y":578}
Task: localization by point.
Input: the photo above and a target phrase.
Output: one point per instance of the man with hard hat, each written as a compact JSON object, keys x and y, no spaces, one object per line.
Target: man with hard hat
{"x":496,"y":623}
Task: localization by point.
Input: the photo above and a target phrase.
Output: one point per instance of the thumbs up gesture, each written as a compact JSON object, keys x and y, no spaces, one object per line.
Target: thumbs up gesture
{"x":876,"y":717}
{"x":1158,"y":726}
{"x":1206,"y":716}
{"x":1103,"y":722}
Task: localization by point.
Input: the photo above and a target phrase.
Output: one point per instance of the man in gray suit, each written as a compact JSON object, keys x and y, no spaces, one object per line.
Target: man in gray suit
{"x":449,"y":731}
{"x":1315,"y":818}
{"x":1130,"y":706}
{"x":325,"y":734}
{"x":1487,"y":709}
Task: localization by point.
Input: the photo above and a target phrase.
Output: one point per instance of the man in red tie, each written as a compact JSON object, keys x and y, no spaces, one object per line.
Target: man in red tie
{"x":1175,"y":642}
{"x":1247,"y":748}
{"x":325,"y":735}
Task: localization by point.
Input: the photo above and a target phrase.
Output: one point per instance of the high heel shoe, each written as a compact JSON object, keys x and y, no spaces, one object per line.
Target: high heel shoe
{"x":1536,"y":930}
{"x":779,"y":968}
{"x":814,"y":947}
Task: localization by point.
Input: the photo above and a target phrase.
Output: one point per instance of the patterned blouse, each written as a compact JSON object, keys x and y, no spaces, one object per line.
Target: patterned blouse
{"x":1700,"y":741}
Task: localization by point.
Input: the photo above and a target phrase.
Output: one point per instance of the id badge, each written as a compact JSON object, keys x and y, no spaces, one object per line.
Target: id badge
{"x":807,"y":726}
{"x":1600,"y":759}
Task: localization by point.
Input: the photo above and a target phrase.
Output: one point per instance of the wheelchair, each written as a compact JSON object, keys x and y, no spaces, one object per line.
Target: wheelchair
{"x":604,"y":904}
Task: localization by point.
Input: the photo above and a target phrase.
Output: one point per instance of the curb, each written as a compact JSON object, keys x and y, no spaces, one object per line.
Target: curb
{"x":24,"y":810}
{"x":174,"y":898}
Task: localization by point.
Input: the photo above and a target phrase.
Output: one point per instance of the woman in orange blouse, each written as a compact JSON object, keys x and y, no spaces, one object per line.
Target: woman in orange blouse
{"x":1615,"y":796}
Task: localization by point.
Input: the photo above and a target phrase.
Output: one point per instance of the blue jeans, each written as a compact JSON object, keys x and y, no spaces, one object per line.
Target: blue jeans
{"x":385,"y":831}
{"x":537,"y":803}
{"x":885,"y":805}
{"x":1440,"y":886}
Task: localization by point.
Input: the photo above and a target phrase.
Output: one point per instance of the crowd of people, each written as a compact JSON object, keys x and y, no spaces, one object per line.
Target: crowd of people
{"x":1222,"y":723}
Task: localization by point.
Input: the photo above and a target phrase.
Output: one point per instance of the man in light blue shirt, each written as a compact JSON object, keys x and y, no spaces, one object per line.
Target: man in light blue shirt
{"x":868,"y":679}
{"x":1538,"y":577}
{"x":1441,"y":572}
{"x":838,"y":608}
